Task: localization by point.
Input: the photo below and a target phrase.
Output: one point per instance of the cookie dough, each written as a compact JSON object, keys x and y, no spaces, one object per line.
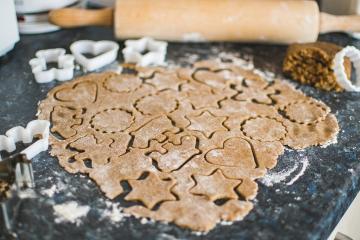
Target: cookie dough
{"x":190,"y":142}
{"x":311,"y":63}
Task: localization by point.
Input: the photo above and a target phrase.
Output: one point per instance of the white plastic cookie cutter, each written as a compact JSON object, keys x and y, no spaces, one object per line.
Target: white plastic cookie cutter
{"x":33,"y":129}
{"x":155,"y":52}
{"x":19,"y":166}
{"x":105,"y":52}
{"x":65,"y":62}
{"x":339,"y":70}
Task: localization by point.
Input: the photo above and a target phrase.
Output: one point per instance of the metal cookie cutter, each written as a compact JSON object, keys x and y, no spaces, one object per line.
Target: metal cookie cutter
{"x":64,"y":72}
{"x":105,"y":52}
{"x":338,"y":66}
{"x":145,"y":52}
{"x":16,"y":169}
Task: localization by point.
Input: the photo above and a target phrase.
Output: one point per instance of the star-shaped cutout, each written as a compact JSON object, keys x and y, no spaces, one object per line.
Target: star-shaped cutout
{"x":150,"y":190}
{"x":215,"y":186}
{"x":206,"y":123}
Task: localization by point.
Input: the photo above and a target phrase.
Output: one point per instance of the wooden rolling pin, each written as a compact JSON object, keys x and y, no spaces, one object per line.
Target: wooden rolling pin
{"x":273,"y":21}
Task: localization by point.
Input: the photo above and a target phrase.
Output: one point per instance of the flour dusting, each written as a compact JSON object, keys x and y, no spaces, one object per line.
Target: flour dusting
{"x":245,"y":62}
{"x":287,"y":175}
{"x":305,"y":164}
{"x":114,"y":212}
{"x":272,"y":178}
{"x":70,"y":212}
{"x":50,"y":191}
{"x":332,"y":141}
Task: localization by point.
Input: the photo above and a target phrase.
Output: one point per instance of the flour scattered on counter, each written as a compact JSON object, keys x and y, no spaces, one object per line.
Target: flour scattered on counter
{"x":282,"y":176}
{"x":114,"y":212}
{"x":165,"y":236}
{"x":198,"y":233}
{"x":226,"y":223}
{"x":242,"y":60}
{"x":50,"y":191}
{"x":144,"y":220}
{"x":272,"y":178}
{"x":332,"y":141}
{"x":245,"y":62}
{"x":70,"y":212}
{"x":305,"y":164}
{"x":267,"y":75}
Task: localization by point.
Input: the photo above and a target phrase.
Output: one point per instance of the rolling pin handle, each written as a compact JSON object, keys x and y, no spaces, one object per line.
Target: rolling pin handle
{"x":332,"y":23}
{"x":73,"y":17}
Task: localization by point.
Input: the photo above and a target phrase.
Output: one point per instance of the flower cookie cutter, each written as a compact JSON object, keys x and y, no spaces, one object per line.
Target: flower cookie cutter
{"x":18,"y":166}
{"x":339,"y":70}
{"x":105,"y":53}
{"x":155,"y":52}
{"x":65,"y":62}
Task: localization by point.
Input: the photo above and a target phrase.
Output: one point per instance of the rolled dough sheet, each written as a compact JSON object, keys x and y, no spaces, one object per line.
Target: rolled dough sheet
{"x":190,"y":142}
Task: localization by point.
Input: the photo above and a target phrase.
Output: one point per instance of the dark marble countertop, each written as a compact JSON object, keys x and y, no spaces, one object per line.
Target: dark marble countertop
{"x":308,"y":209}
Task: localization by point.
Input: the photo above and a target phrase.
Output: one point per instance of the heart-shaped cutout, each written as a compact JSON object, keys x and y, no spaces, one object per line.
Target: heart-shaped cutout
{"x":104,"y":52}
{"x":82,"y":93}
{"x":235,"y":153}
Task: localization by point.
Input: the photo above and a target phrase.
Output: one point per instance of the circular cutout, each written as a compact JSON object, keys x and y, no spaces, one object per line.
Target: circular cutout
{"x":122,"y":83}
{"x":163,"y":102}
{"x":305,"y":112}
{"x":112,"y":120}
{"x":264,"y":129}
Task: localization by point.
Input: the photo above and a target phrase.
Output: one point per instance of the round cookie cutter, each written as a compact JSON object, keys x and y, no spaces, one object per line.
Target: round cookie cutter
{"x":339,"y":70}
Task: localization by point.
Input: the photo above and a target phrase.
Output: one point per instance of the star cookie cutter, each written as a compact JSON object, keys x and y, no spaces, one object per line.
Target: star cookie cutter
{"x":65,"y":62}
{"x":155,"y":52}
{"x":105,"y":53}
{"x":339,"y":70}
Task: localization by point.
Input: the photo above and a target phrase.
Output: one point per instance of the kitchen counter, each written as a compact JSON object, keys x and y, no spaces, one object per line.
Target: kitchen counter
{"x":309,"y":208}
